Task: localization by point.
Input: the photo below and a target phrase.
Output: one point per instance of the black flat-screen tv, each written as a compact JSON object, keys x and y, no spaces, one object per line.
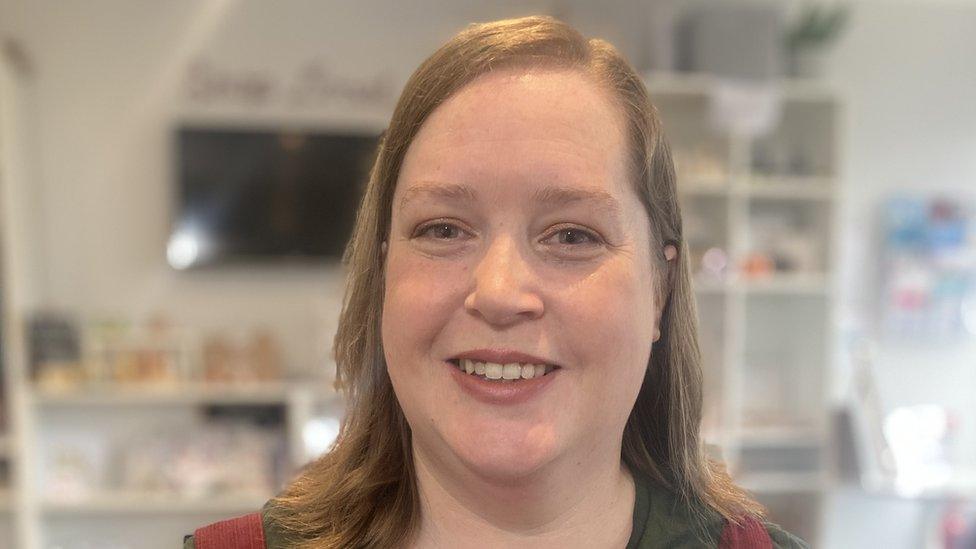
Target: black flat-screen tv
{"x":260,"y":196}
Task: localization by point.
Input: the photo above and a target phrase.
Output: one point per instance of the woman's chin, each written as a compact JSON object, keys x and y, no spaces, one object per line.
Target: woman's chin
{"x":505,"y":469}
{"x":505,"y":457}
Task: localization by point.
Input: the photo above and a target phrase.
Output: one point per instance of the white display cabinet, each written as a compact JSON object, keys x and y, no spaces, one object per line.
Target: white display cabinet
{"x":759,"y":221}
{"x":116,"y":437}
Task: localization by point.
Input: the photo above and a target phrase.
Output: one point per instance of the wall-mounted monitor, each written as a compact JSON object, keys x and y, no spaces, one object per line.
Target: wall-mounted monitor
{"x":262,"y":196}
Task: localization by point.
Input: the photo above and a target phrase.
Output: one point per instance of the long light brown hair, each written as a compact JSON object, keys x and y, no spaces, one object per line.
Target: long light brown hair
{"x":363,"y":493}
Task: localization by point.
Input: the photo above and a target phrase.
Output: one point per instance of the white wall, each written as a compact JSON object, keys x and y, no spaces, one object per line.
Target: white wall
{"x":907,"y":71}
{"x":908,"y":75}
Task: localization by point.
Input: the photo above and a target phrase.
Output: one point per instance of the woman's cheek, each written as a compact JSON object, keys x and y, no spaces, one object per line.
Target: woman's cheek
{"x":419,"y":300}
{"x":429,"y":283}
{"x":615,"y":321}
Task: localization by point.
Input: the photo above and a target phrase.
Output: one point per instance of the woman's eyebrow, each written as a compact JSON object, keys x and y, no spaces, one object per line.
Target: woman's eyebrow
{"x":433,"y":189}
{"x":554,"y":195}
{"x":551,"y":195}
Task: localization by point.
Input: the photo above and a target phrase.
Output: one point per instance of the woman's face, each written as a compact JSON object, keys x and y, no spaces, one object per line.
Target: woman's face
{"x":517,"y":239}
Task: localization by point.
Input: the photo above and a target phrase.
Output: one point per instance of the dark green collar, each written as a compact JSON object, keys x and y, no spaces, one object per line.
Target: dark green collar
{"x":661,"y":520}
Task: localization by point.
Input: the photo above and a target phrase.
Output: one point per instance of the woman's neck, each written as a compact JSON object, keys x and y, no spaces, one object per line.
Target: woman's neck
{"x":576,"y":503}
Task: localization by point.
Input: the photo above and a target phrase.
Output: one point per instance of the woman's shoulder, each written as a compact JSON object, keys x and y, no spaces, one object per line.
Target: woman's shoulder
{"x":784,"y":540}
{"x":662,"y":521}
{"x":757,"y":533}
{"x":261,"y":524}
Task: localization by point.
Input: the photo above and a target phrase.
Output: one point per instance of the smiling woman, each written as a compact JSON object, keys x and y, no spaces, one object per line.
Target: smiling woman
{"x":518,"y":337}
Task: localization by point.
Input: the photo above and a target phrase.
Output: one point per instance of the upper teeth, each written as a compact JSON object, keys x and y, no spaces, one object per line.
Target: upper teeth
{"x":513,"y":370}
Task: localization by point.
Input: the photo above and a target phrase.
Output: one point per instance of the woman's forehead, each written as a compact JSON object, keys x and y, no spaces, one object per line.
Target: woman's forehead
{"x":547,"y":128}
{"x":527,"y":102}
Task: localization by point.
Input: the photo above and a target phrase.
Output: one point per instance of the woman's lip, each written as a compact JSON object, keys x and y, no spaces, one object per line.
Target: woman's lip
{"x":503,"y":356}
{"x":501,"y":392}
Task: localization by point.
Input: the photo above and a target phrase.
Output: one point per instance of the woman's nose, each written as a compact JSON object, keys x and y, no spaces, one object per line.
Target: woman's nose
{"x":505,"y":288}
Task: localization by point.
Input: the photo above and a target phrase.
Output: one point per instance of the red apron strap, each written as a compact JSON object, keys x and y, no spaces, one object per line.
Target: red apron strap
{"x":244,"y":532}
{"x":748,"y":534}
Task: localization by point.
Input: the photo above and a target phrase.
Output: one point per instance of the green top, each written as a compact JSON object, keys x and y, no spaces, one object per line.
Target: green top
{"x":660,"y":522}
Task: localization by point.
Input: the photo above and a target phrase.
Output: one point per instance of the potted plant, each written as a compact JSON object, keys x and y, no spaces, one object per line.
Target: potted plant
{"x":808,"y":38}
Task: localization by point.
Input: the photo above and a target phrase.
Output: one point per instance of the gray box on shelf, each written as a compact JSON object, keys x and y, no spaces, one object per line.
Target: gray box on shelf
{"x":734,"y":40}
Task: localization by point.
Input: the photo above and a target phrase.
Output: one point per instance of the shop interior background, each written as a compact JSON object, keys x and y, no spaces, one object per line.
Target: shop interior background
{"x":155,"y":378}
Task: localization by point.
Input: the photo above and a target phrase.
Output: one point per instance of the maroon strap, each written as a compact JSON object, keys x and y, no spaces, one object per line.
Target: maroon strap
{"x":748,"y":534}
{"x":244,"y":532}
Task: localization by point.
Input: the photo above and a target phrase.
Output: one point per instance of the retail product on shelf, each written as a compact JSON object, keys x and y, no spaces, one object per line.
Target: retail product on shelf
{"x":55,"y":349}
{"x":256,"y":360}
{"x":122,"y":353}
{"x":758,"y":265}
{"x":779,"y":243}
{"x":204,"y":461}
{"x":700,"y":165}
{"x":207,"y":461}
{"x":68,"y":356}
{"x":775,"y":159}
{"x":75,"y":467}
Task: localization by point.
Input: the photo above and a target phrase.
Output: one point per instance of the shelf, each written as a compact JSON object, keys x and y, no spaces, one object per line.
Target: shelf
{"x":790,"y":188}
{"x":677,"y":83}
{"x":789,"y":284}
{"x":703,"y":84}
{"x":177,"y":395}
{"x":698,"y":187}
{"x":785,"y":188}
{"x":709,"y":286}
{"x":784,"y":483}
{"x":779,"y":438}
{"x":123,"y":503}
{"x":805,"y":283}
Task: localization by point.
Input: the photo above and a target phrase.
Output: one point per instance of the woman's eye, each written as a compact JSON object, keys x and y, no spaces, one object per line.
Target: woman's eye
{"x":439,"y":231}
{"x":575,"y":237}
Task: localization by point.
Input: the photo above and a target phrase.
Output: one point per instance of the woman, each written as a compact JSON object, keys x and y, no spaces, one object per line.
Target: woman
{"x":518,"y":341}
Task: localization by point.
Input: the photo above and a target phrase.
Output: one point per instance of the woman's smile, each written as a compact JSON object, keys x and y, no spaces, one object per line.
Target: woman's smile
{"x":502,"y":384}
{"x":501,"y":376}
{"x":512,"y":371}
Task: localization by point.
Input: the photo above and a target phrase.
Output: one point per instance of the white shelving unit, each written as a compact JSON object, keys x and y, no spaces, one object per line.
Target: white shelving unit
{"x":160,"y":518}
{"x":120,"y":504}
{"x":766,"y":318}
{"x":184,"y":394}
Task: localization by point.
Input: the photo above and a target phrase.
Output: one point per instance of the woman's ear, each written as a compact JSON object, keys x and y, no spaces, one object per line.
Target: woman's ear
{"x":383,"y":249}
{"x":670,"y":253}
